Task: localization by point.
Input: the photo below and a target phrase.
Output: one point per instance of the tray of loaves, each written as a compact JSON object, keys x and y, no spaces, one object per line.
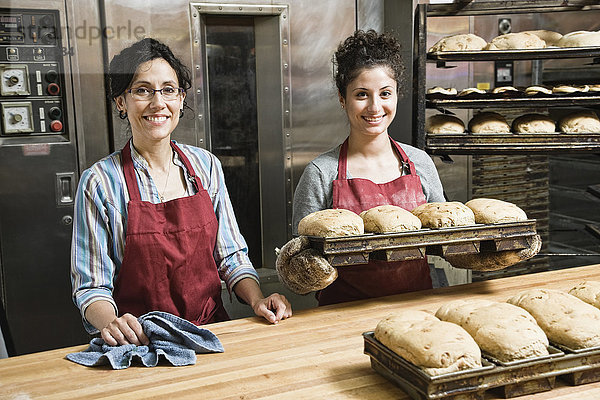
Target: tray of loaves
{"x":471,"y":346}
{"x":448,"y":229}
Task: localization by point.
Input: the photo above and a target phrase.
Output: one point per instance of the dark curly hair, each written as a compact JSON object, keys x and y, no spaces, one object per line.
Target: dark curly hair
{"x":364,"y":50}
{"x":124,"y":65}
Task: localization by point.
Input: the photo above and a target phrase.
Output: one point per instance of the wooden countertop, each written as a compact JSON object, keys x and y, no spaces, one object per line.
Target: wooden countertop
{"x":316,"y":354}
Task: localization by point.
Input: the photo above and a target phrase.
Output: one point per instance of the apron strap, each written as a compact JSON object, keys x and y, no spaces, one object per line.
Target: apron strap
{"x":404,"y":158}
{"x":188,"y":166}
{"x":343,"y":160}
{"x":128,"y":171}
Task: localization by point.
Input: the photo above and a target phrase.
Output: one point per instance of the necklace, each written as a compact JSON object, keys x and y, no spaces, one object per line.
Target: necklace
{"x":161,"y":195}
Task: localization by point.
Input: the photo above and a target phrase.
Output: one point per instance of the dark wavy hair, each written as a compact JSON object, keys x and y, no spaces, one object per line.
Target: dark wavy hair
{"x":365,"y":50}
{"x":124,"y":65}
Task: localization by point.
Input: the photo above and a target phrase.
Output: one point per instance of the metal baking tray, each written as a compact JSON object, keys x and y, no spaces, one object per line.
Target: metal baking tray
{"x":411,"y":245}
{"x":511,"y":143}
{"x":527,"y":54}
{"x":526,"y":378}
{"x":552,"y":353}
{"x":493,"y":101}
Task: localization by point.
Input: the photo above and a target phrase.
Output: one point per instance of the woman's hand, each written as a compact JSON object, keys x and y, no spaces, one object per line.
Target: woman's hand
{"x":273,"y":308}
{"x":124,"y":330}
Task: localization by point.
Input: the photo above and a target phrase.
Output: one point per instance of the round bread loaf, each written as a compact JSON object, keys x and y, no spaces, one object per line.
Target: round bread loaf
{"x":420,"y":338}
{"x":515,"y":41}
{"x":534,"y":123}
{"x":468,"y":91}
{"x":567,"y":320}
{"x":505,"y":89}
{"x":444,"y":123}
{"x":441,"y":90}
{"x":460,"y":42}
{"x":444,"y":214}
{"x":331,"y":223}
{"x":533,"y":90}
{"x":488,"y":122}
{"x":580,"y":122}
{"x":580,"y":39}
{"x":550,"y":37}
{"x":501,"y":330}
{"x":492,"y":211}
{"x":389,"y":218}
{"x":588,"y":291}
{"x":594,"y":88}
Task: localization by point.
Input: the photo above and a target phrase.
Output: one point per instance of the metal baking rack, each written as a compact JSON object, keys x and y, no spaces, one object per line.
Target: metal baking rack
{"x":465,"y":144}
{"x":532,"y":376}
{"x":411,"y":245}
{"x":510,"y":143}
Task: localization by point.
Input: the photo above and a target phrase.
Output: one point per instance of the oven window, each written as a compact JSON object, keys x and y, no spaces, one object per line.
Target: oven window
{"x":233,"y":119}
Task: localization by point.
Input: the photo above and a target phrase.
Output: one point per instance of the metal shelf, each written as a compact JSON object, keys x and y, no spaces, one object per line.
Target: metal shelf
{"x":537,"y":101}
{"x":524,"y":54}
{"x":468,"y":7}
{"x":511,"y":143}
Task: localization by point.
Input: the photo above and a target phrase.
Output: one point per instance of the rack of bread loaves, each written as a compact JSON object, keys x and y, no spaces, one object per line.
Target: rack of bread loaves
{"x":470,"y":346}
{"x":538,"y":128}
{"x":497,"y":231}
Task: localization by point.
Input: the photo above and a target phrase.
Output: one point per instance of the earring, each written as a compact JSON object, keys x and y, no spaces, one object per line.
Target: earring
{"x":181,"y":113}
{"x":122,"y":114}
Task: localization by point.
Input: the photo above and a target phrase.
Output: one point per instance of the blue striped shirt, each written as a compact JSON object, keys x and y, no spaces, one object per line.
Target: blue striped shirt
{"x":100,"y":223}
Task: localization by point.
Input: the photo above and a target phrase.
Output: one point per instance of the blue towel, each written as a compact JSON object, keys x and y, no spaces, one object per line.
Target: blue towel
{"x":174,"y":338}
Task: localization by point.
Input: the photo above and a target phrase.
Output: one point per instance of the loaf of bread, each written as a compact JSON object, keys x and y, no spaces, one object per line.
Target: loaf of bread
{"x":488,"y":122}
{"x":588,"y":291}
{"x":534,"y":123}
{"x":516,"y":41}
{"x":580,"y":122}
{"x":567,"y":320}
{"x":580,"y":39}
{"x":444,"y":214}
{"x":471,"y":90}
{"x":420,"y":338}
{"x":568,"y":89}
{"x":594,"y":88}
{"x":550,"y":37}
{"x":505,"y":90}
{"x":331,"y":223}
{"x":503,"y":331}
{"x":389,"y":218}
{"x":533,"y":90}
{"x":441,"y":90}
{"x":444,"y":123}
{"x":460,"y":42}
{"x":492,"y":211}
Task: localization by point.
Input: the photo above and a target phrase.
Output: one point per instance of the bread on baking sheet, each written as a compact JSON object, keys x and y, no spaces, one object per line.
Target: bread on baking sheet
{"x":420,"y":338}
{"x":565,"y":89}
{"x":460,"y":42}
{"x":550,"y":37}
{"x":505,"y":89}
{"x":491,"y":211}
{"x":331,"y":223}
{"x":441,"y":90}
{"x":444,"y":123}
{"x":502,"y":330}
{"x":471,"y":90}
{"x":516,"y":41}
{"x":580,"y":122}
{"x":444,"y":214}
{"x":580,"y":39}
{"x":533,"y":90}
{"x":488,"y":122}
{"x":567,"y":320}
{"x":389,"y":218}
{"x":588,"y":291}
{"x":594,"y":88}
{"x":534,"y":123}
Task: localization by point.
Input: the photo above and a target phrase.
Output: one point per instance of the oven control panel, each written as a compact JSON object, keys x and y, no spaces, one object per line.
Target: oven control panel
{"x":31,"y":73}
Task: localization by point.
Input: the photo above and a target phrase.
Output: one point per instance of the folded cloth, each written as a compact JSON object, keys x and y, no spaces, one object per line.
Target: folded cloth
{"x":174,"y":338}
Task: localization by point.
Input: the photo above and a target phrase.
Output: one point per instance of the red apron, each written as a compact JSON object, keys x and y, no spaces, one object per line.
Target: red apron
{"x":168,"y":263}
{"x":377,"y":278}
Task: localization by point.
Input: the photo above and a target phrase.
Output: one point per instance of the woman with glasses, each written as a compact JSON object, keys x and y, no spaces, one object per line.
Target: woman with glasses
{"x":154,"y":228}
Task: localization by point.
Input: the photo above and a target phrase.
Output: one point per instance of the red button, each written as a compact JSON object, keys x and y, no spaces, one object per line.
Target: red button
{"x":56,"y":126}
{"x":53,"y":89}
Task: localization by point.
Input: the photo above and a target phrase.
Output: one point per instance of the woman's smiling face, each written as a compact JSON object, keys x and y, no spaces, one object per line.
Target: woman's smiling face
{"x":371,"y":100}
{"x":156,"y":118}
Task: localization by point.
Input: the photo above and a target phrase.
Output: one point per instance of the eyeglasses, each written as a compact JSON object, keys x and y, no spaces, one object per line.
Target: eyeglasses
{"x":144,"y":93}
